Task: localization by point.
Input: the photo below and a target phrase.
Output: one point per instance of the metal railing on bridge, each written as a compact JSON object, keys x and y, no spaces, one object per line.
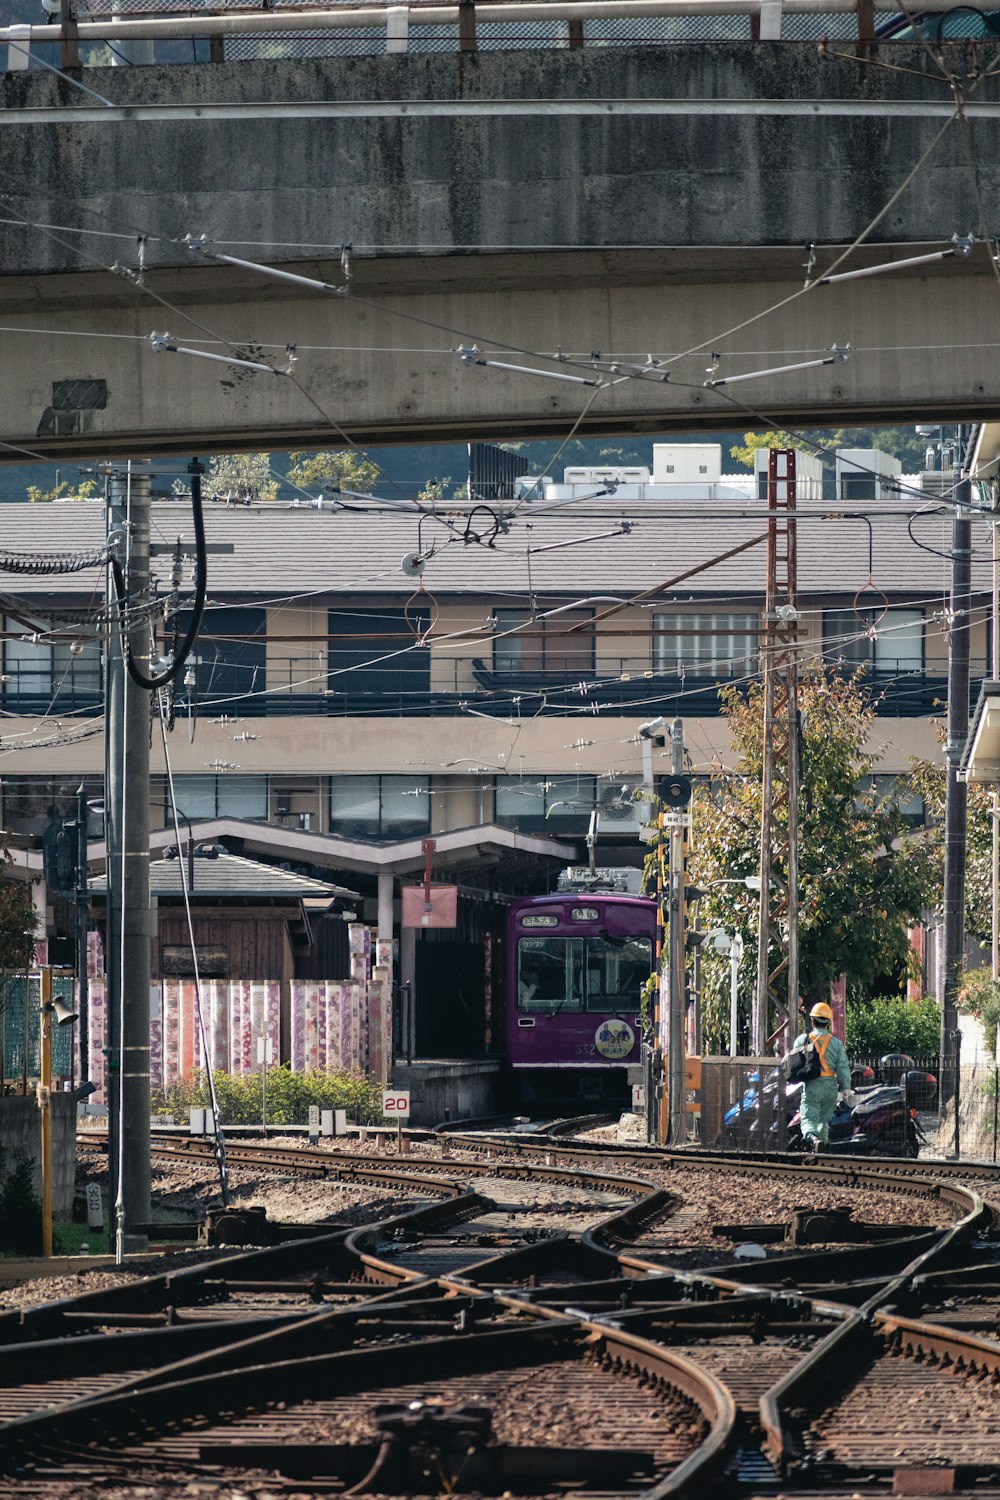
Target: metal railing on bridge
{"x":289,"y":29}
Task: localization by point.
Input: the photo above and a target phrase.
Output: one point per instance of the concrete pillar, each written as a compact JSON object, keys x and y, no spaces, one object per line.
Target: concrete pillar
{"x":386,"y":891}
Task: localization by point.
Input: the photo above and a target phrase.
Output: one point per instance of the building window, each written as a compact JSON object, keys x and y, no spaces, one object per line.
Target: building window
{"x":30,"y":801}
{"x":380,"y":807}
{"x":218,"y":797}
{"x":375,"y":652}
{"x":888,"y":642}
{"x":535,"y":647}
{"x":51,"y":674}
{"x":231,"y":652}
{"x":552,"y":804}
{"x":897,"y":791}
{"x":705,"y":644}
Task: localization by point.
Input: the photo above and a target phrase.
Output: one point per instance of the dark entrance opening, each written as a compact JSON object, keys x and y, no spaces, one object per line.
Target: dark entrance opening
{"x":451,"y":999}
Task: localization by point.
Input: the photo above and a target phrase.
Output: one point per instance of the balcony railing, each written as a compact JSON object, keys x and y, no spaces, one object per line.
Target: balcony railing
{"x":619,"y":686}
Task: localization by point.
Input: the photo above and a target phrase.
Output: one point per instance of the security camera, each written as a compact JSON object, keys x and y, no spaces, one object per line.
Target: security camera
{"x":52,"y":7}
{"x":652,"y":727}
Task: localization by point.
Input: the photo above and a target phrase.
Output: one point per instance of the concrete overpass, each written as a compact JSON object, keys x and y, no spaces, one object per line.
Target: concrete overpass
{"x":609,"y":200}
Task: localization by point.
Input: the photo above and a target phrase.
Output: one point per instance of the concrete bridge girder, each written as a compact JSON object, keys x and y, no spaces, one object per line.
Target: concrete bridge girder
{"x":922,"y":349}
{"x":439,"y":211}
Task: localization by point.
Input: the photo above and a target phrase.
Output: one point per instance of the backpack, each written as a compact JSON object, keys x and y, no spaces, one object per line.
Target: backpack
{"x":804,"y":1063}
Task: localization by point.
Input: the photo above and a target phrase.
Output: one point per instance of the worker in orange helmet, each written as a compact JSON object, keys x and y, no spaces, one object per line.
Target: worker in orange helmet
{"x":819,"y":1095}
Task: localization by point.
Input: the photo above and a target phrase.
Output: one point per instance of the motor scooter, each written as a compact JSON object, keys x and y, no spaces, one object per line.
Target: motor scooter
{"x":879,"y":1122}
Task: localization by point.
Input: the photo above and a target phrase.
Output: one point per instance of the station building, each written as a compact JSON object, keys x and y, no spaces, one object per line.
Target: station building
{"x":367,"y":677}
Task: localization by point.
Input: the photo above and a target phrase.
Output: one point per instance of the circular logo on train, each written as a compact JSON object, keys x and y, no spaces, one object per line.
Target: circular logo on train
{"x":614,"y":1039}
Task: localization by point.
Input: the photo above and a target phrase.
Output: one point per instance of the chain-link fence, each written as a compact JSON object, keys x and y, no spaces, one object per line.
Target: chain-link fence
{"x":21,"y":1031}
{"x":486,"y":36}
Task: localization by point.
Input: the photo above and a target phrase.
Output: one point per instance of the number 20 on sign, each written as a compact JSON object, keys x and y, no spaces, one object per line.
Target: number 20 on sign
{"x":396,"y":1106}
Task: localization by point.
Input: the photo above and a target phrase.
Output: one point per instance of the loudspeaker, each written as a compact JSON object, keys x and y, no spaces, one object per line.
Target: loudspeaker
{"x":63,"y":1014}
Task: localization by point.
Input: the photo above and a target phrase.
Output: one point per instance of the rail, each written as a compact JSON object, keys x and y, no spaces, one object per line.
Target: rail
{"x":402,"y":28}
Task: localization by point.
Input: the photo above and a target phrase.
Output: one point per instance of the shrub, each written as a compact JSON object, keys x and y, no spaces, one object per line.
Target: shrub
{"x":289,"y":1096}
{"x":979,"y":996}
{"x":20,"y":1210}
{"x":890,"y":1023}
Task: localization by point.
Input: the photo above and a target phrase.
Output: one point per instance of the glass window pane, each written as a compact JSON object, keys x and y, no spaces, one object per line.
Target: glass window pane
{"x":30,"y":667}
{"x":227,"y":664}
{"x":617,"y":969}
{"x":374,"y":652}
{"x":844,"y":638}
{"x":242,"y":796}
{"x":195,"y":797}
{"x":76,"y":677}
{"x":707,"y":643}
{"x":520,"y":651}
{"x":899,"y":643}
{"x":406,"y":806}
{"x":518,"y":802}
{"x":354,"y":806}
{"x":550,"y":974}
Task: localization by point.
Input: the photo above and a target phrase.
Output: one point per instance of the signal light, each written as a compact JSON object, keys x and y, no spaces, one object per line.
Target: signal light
{"x":675,"y":791}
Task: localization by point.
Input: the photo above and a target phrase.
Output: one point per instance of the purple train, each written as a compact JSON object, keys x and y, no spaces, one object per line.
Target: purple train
{"x":576,"y":967}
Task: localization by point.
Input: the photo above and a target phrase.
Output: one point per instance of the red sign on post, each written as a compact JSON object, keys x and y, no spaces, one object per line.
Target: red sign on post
{"x":434,"y":906}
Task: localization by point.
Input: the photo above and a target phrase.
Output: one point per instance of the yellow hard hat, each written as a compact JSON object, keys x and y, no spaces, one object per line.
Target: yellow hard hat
{"x":821,"y":1012}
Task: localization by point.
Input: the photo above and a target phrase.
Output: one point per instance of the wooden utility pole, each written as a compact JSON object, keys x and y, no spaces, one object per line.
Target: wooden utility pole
{"x":778,"y":935}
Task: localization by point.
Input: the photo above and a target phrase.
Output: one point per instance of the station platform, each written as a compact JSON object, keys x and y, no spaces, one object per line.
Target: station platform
{"x":443,"y":1089}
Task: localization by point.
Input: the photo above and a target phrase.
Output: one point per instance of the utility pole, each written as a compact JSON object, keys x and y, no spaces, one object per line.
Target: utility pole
{"x":952,"y":950}
{"x":127,"y":816}
{"x":82,"y":902}
{"x":778,"y":922}
{"x":676,"y":965}
{"x":994,"y":671}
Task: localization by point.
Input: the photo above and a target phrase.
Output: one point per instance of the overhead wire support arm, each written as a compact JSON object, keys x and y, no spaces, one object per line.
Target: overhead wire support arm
{"x":161,"y":679}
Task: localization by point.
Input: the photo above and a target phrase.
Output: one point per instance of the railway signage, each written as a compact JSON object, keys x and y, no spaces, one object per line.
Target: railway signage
{"x":95,"y":1209}
{"x":676,"y":817}
{"x":396,"y":1104}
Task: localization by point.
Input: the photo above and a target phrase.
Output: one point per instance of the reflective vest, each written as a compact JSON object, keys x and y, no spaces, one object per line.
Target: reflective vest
{"x":821,"y":1040}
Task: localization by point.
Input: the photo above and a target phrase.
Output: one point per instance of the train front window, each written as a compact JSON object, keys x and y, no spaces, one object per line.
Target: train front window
{"x":572,"y":974}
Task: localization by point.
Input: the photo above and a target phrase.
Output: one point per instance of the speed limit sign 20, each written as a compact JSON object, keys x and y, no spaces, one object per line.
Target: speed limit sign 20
{"x":396,"y":1104}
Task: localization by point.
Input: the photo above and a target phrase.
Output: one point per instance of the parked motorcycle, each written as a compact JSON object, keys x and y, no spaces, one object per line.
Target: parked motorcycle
{"x":879,"y":1122}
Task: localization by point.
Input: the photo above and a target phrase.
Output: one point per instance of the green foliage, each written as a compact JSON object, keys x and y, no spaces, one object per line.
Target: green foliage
{"x":752,"y":441}
{"x":928,"y":779}
{"x":20,"y":1210}
{"x":62,"y":491}
{"x":242,"y":477}
{"x":901,"y":442}
{"x":859,"y":885}
{"x":18,"y":924}
{"x":346,"y":469}
{"x":891,"y":1023}
{"x":289,"y":1096}
{"x":979,"y":996}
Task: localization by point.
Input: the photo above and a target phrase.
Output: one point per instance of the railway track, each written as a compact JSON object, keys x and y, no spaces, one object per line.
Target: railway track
{"x":539,"y":1319}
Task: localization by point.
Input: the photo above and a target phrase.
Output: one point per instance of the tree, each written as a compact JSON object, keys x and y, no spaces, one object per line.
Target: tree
{"x":244,"y":477}
{"x":17,"y":921}
{"x":929,"y":779}
{"x":753,"y":441}
{"x":344,"y":468}
{"x":860,"y":884}
{"x":62,"y":491}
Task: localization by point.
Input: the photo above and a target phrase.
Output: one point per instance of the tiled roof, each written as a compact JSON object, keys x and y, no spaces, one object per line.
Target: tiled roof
{"x":231,"y":875}
{"x":284,"y":552}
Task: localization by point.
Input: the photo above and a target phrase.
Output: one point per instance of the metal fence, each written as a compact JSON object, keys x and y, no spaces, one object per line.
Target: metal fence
{"x":21,"y":1031}
{"x":171,"y":31}
{"x":914,"y":1106}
